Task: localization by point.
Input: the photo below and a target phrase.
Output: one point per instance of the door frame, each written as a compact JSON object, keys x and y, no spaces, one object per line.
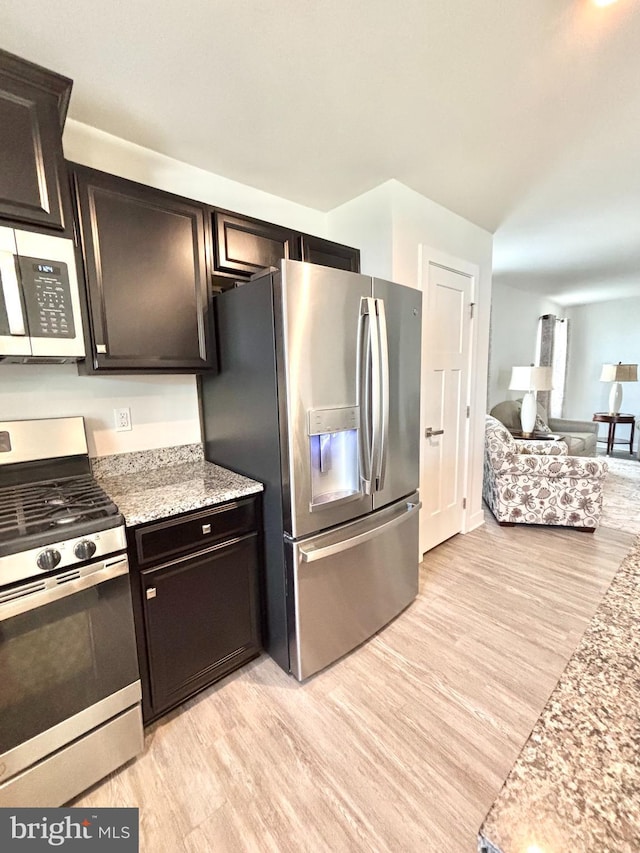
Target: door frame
{"x":427,"y":255}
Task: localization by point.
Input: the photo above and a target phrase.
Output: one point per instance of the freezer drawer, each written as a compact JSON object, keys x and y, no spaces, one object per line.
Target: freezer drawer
{"x":348,"y":583}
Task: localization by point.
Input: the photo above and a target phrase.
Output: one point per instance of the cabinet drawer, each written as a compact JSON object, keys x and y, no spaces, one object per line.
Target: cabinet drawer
{"x":193,"y":532}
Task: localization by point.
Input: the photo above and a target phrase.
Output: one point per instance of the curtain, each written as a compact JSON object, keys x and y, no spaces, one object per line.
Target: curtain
{"x":559,"y":365}
{"x":551,"y":351}
{"x":544,"y":353}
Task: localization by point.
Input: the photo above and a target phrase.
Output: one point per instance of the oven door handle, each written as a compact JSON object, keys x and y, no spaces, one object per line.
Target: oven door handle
{"x":57,"y":588}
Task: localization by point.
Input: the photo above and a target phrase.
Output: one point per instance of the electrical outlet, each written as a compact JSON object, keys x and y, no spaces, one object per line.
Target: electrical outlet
{"x":122,"y":418}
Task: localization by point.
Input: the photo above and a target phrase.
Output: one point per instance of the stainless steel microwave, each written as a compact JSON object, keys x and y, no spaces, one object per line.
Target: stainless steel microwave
{"x":40,"y":318}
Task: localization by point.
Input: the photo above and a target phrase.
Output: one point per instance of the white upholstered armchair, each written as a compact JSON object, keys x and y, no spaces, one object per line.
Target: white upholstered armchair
{"x":537,"y":483}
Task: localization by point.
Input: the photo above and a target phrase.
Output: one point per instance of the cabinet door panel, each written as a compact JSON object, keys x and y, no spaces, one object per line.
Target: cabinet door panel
{"x":146,"y":273}
{"x":244,"y":246}
{"x":201,"y":620}
{"x":33,"y":178}
{"x":316,"y":250}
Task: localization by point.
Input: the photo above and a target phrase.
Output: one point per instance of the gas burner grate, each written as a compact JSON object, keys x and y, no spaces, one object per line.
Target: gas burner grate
{"x":39,"y":507}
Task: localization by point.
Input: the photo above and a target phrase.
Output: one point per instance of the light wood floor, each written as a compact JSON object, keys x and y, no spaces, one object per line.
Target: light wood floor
{"x":403,"y":745}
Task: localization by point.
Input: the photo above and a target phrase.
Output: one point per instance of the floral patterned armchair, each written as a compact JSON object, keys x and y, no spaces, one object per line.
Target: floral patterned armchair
{"x":525,"y":484}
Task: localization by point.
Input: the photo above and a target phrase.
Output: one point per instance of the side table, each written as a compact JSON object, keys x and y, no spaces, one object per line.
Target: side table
{"x":613,"y":421}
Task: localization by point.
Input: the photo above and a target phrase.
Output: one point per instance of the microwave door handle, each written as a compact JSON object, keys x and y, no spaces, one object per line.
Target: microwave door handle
{"x":383,"y":345}
{"x":11,"y":293}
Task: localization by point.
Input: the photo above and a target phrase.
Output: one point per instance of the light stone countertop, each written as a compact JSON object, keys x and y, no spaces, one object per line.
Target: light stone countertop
{"x":153,"y":485}
{"x":575,"y":787}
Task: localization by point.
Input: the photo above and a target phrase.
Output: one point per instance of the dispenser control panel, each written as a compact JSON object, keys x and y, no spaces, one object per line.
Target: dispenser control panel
{"x":322,"y":421}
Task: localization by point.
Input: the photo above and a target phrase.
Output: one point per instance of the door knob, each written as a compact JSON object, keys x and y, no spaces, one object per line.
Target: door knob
{"x":430,"y":432}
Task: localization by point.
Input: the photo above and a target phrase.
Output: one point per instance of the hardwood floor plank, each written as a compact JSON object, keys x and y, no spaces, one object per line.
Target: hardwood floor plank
{"x":403,"y":744}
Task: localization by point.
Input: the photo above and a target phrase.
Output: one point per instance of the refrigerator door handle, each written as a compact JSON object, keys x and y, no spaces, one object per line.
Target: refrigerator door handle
{"x":11,"y":294}
{"x":313,"y":554}
{"x":384,"y":394}
{"x":363,"y":391}
{"x":376,"y":389}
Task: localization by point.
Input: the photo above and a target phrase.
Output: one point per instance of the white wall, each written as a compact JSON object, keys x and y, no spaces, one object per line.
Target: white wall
{"x":602,"y":333}
{"x":514,"y":328}
{"x":100,"y":150}
{"x":366,"y":223}
{"x":420,"y":224}
{"x":391,"y":224}
{"x":164,"y":409}
{"x":418,"y":220}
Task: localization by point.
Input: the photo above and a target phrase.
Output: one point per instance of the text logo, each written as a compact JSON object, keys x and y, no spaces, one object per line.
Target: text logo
{"x":32,"y":830}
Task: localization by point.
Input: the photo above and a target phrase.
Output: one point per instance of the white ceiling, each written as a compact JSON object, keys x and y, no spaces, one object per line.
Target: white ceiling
{"x":523,"y":117}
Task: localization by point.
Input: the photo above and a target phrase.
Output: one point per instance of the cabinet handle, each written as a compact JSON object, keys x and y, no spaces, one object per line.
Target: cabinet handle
{"x":101,"y":349}
{"x":206,"y":528}
{"x":151,"y":592}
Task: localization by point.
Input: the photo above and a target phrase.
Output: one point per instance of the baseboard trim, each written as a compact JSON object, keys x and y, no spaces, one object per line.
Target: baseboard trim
{"x":476,"y":520}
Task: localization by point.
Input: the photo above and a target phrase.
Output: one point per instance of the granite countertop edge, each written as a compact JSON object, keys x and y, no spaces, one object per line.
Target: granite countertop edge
{"x":155,"y":485}
{"x":572,"y":786}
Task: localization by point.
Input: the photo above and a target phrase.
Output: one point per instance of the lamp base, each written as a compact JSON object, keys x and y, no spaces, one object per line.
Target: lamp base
{"x":615,"y":398}
{"x":528,"y":413}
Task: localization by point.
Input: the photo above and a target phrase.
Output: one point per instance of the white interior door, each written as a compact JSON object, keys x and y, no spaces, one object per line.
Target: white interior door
{"x":446,"y":344}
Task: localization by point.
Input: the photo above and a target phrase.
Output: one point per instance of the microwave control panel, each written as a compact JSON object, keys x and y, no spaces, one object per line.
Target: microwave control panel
{"x":47,"y":295}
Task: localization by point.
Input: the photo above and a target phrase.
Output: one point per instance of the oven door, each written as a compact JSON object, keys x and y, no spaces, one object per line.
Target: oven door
{"x":67,"y":659}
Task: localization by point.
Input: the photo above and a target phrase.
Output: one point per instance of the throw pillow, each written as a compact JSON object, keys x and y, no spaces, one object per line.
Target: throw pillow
{"x":541,"y":427}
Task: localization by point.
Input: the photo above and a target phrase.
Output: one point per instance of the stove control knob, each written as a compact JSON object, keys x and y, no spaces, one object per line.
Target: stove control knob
{"x":84,"y":549}
{"x":48,"y":559}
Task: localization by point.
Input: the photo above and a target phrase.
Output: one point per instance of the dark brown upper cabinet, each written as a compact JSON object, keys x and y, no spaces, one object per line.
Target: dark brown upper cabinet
{"x":147,"y":276}
{"x":316,"y":250}
{"x":242,"y":245}
{"x":33,"y":178}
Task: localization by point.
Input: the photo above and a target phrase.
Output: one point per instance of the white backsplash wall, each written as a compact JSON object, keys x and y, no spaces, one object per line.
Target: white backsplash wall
{"x":164,"y":409}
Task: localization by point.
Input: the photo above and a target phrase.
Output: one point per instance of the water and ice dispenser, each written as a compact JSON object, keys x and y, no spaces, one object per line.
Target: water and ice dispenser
{"x":333,"y":439}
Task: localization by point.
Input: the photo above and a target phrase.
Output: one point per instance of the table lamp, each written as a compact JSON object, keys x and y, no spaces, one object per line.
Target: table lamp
{"x":617,"y":373}
{"x":529,"y":379}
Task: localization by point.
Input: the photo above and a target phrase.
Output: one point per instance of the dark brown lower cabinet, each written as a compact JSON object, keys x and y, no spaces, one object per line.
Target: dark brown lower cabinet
{"x":197,"y":615}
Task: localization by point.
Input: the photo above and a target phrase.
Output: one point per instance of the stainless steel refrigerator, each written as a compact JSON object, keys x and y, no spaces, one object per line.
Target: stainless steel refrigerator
{"x":318,"y":396}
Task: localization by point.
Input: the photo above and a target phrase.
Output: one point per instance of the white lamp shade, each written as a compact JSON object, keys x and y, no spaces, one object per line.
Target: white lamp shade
{"x":530,"y":378}
{"x":619,"y":373}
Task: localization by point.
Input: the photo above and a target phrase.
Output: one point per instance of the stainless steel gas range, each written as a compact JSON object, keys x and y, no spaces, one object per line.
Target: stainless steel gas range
{"x":69,"y":684}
